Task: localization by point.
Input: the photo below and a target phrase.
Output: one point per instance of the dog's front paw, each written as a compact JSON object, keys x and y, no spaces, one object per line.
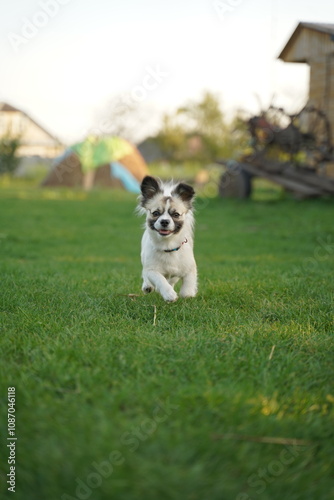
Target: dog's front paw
{"x":185,"y":294}
{"x":189,"y":286}
{"x":170,"y":295}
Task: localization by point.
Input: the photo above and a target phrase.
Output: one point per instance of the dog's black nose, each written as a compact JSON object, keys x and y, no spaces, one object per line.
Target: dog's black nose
{"x":164,"y":222}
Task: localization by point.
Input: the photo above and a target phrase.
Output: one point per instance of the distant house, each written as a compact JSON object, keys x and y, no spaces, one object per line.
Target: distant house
{"x":313,"y":44}
{"x":34,"y":139}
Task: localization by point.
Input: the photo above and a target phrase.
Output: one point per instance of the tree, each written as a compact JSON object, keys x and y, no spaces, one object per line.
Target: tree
{"x":8,"y":154}
{"x":172,"y":138}
{"x":206,"y":116}
{"x":204,"y":121}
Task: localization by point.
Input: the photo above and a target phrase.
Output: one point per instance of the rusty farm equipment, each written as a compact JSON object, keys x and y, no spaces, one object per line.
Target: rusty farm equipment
{"x":293,"y":151}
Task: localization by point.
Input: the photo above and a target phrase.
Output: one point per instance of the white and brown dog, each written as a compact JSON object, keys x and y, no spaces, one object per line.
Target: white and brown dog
{"x":167,"y":244}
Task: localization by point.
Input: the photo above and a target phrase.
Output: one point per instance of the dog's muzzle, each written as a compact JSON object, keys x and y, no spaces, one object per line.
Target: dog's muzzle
{"x":164,"y":227}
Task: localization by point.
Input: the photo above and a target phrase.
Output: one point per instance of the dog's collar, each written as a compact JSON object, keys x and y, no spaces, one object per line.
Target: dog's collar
{"x":177,"y":248}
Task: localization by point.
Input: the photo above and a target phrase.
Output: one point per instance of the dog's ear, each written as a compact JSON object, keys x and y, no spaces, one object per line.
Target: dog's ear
{"x":185,"y":192}
{"x":149,"y":187}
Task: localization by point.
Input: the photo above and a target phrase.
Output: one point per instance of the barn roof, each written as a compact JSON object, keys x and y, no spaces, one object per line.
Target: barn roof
{"x":320,"y":27}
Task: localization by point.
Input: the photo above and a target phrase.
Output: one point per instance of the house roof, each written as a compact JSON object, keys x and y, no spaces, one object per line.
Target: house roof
{"x":320,"y":27}
{"x":7,"y":107}
{"x":4,"y":106}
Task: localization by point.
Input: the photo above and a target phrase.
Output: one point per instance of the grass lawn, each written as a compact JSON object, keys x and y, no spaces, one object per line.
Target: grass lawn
{"x":228,"y":396}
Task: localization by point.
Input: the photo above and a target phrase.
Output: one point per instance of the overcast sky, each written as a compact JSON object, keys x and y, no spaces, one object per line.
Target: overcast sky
{"x":62,"y":61}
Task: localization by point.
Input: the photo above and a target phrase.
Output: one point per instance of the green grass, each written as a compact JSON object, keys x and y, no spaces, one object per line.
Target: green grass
{"x":111,"y":406}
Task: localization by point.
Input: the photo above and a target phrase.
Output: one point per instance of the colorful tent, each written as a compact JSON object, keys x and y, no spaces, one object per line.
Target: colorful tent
{"x":99,"y":161}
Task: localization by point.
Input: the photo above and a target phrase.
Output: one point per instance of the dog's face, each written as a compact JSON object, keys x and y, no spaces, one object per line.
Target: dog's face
{"x":166,"y":205}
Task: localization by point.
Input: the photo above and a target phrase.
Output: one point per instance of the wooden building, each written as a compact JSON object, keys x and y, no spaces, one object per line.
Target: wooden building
{"x":35,"y":140}
{"x":313,"y":44}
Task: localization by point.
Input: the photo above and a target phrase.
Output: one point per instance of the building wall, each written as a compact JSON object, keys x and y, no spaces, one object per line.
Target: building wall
{"x":308,"y":45}
{"x":321,"y":93}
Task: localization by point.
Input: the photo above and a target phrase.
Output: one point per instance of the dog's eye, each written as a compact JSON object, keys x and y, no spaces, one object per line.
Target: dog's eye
{"x":156,"y":213}
{"x":176,"y":215}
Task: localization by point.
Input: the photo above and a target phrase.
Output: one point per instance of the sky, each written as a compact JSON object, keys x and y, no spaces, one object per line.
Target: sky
{"x":64,"y":61}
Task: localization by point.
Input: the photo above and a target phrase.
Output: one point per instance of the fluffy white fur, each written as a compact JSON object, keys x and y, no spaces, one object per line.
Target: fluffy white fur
{"x":167,"y":244}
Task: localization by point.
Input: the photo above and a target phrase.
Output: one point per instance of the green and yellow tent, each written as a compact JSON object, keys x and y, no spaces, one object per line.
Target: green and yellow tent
{"x":99,"y":161}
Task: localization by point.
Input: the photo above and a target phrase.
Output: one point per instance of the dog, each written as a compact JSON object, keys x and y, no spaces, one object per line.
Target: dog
{"x":167,"y":244}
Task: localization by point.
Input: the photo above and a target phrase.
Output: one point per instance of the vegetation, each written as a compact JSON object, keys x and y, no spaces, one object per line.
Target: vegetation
{"x":199,"y":131}
{"x":121,"y":396}
{"x":8,"y":154}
